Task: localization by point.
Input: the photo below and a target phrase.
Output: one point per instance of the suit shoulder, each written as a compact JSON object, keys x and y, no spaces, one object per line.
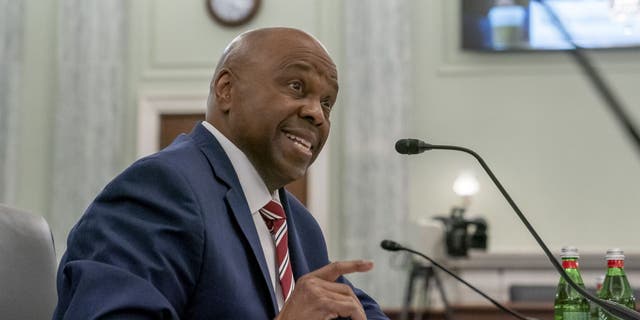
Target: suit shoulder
{"x":181,"y":155}
{"x":183,"y":148}
{"x":296,"y":206}
{"x":302,"y":215}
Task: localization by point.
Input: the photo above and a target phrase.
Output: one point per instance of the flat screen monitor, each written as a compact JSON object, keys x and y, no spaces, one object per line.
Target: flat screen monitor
{"x":525,"y":25}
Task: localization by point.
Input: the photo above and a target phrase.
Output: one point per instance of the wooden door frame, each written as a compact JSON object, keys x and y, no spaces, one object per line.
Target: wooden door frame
{"x":151,"y":106}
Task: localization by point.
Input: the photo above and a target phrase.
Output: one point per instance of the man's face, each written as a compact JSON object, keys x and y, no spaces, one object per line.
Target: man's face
{"x":280,"y":105}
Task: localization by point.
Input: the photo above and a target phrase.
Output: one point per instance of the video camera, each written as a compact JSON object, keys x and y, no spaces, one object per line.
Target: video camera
{"x":462,"y":234}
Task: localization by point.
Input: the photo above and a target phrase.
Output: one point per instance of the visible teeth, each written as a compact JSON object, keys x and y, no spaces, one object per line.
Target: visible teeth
{"x":303,"y":143}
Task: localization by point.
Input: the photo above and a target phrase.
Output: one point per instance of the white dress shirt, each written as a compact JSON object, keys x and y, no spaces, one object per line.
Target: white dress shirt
{"x":257,"y":195}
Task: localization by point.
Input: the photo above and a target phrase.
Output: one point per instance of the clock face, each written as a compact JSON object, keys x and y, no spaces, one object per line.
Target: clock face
{"x":232,"y":12}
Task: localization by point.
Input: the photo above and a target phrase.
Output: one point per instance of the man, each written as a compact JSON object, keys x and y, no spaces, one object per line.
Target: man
{"x":204,"y":229}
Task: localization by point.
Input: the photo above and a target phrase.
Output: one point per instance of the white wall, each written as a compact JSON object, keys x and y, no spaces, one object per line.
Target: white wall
{"x":33,"y":158}
{"x":175,"y":45}
{"x":542,"y":129}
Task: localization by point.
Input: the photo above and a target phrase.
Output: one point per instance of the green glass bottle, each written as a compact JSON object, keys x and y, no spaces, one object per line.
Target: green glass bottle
{"x":569,"y":304}
{"x":616,"y":287}
{"x":594,"y":307}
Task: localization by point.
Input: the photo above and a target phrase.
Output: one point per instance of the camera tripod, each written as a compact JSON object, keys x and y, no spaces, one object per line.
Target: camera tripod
{"x":420,"y":270}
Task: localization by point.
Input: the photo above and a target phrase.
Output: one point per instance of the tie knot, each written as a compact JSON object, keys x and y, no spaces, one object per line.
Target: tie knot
{"x":272,"y":211}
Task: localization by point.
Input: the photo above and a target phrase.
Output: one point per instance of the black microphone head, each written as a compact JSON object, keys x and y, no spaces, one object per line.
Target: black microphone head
{"x":411,"y":146}
{"x":390,"y":245}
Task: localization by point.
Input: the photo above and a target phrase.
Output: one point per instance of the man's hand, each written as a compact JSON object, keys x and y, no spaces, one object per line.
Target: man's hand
{"x":317,"y":295}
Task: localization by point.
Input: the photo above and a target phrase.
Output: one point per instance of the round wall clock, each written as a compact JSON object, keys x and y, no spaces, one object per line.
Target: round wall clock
{"x":232,"y":12}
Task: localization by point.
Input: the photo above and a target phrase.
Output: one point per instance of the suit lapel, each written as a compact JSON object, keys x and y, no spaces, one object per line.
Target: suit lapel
{"x":296,"y":254}
{"x":236,"y":200}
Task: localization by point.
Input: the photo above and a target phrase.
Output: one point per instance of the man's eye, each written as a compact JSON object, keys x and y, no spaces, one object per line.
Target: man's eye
{"x":296,"y":86}
{"x":326,"y":104}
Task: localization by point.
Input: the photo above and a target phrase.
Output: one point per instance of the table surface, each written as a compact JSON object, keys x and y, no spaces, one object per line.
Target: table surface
{"x":538,"y":310}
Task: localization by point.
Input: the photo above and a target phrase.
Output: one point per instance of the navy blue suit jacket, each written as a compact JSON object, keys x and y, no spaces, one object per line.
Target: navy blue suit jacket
{"x":172,"y":237}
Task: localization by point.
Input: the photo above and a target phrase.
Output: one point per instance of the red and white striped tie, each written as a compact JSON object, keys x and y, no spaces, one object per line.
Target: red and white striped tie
{"x":276,"y":220}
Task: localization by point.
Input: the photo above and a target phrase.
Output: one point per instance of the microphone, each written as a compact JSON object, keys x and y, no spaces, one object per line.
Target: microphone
{"x":391,"y":245}
{"x":413,"y":146}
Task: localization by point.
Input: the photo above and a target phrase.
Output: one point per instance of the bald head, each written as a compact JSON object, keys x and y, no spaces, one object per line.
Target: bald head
{"x":253,"y":47}
{"x":249,"y":45}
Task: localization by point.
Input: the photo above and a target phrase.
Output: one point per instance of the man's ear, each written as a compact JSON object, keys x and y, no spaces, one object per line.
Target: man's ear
{"x":222,"y":86}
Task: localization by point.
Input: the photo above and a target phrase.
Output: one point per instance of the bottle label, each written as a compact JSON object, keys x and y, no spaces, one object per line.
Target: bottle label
{"x":615,"y":263}
{"x":575,"y":315}
{"x":570,"y":264}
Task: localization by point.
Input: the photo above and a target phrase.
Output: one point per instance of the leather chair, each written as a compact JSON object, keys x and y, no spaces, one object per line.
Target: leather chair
{"x":27,"y":266}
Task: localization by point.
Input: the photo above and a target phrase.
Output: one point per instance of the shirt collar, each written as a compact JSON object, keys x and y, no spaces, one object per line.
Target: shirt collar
{"x":254,"y":188}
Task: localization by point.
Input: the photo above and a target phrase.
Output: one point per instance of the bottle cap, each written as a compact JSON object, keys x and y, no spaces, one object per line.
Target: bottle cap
{"x":615,"y":254}
{"x":569,"y":252}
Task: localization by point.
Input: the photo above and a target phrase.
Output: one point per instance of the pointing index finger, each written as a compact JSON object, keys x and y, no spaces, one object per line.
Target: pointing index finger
{"x":332,"y":271}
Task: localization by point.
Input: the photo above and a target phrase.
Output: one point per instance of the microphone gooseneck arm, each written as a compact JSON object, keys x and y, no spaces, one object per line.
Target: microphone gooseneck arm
{"x":611,"y":307}
{"x":394,"y":246}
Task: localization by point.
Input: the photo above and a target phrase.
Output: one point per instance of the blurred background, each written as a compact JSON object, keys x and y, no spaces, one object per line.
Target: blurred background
{"x":88,"y":86}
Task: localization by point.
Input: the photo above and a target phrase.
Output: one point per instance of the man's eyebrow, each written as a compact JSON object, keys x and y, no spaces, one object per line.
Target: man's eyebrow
{"x":308,"y":67}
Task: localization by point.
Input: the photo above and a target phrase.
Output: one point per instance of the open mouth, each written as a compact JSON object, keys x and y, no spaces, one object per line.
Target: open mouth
{"x":301,"y":143}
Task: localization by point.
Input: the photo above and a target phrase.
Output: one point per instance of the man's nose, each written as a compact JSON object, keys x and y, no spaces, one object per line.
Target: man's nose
{"x":313,"y":112}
